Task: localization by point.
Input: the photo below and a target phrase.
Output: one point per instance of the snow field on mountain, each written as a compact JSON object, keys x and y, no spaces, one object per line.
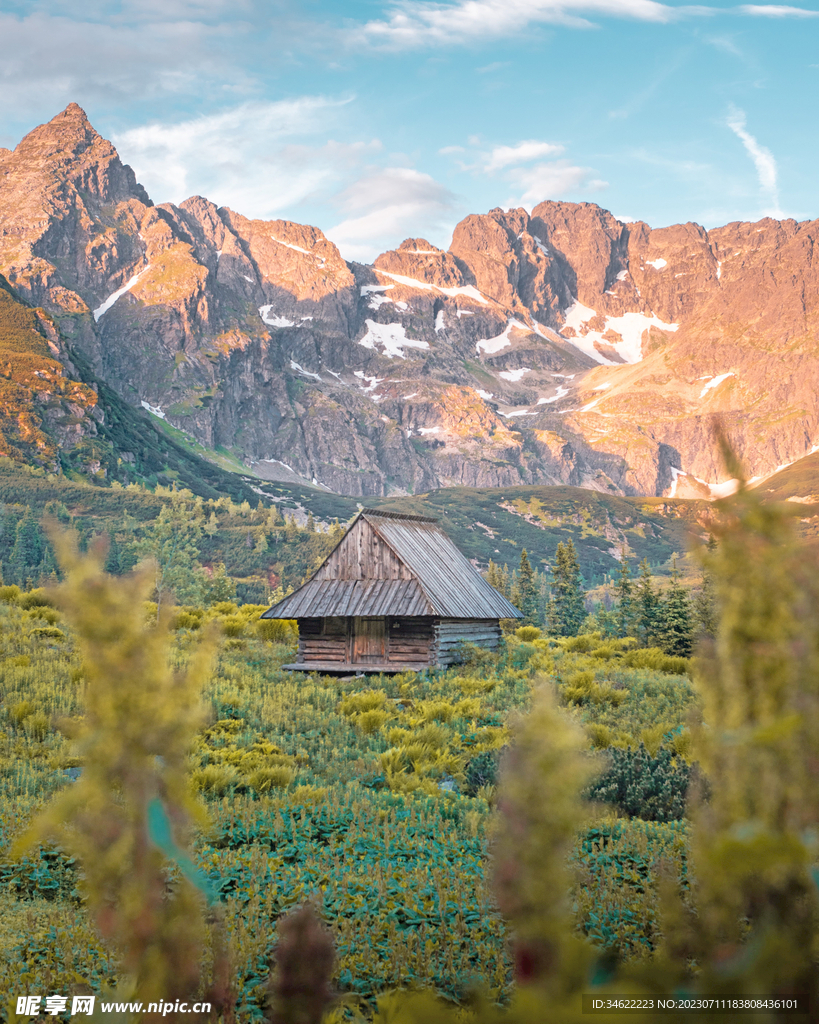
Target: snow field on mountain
{"x":274,"y":321}
{"x":469,"y":290}
{"x":109,"y":302}
{"x":715,"y":382}
{"x":393,"y":338}
{"x":630,"y":327}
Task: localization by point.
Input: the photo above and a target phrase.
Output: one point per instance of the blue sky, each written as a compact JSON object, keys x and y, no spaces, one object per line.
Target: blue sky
{"x":377,"y":121}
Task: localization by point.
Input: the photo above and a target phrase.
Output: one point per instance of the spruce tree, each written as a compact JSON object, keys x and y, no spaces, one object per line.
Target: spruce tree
{"x":647,"y":606}
{"x":526,"y":590}
{"x":28,"y":549}
{"x":625,"y":612}
{"x":676,"y":631}
{"x":705,"y":603}
{"x":567,"y":591}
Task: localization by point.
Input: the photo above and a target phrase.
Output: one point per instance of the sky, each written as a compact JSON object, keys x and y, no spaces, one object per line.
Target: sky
{"x":378,"y":120}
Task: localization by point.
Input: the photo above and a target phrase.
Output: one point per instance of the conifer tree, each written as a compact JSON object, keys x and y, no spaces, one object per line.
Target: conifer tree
{"x":647,"y":606}
{"x":675,"y":627}
{"x":526,"y":590}
{"x":112,"y":557}
{"x":311,"y":523}
{"x":28,"y":549}
{"x":705,"y":604}
{"x":567,"y":591}
{"x":625,"y":611}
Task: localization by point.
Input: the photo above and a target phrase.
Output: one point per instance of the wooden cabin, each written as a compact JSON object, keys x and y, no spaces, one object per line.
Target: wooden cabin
{"x":395,"y":594}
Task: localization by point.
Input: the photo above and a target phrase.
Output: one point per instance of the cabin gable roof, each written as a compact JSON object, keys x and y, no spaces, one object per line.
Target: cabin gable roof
{"x":393,"y":564}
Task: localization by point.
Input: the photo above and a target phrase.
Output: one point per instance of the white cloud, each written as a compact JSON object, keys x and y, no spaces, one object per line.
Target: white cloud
{"x":412,"y":23}
{"x":777,"y":11}
{"x":523,"y":152}
{"x":250,"y":157}
{"x":763,"y":160}
{"x":388,"y":204}
{"x":551,"y":181}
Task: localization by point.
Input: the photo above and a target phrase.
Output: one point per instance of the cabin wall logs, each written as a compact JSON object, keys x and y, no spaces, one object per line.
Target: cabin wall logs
{"x":415,"y":641}
{"x":450,"y":633}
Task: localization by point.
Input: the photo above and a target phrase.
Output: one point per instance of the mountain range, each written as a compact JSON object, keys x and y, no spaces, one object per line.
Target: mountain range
{"x":561,"y":346}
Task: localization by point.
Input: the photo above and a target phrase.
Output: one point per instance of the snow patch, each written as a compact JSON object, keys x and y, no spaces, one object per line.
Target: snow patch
{"x":518,"y":412}
{"x":492,"y":345}
{"x":485,"y":395}
{"x":676,"y":474}
{"x":715,"y":382}
{"x":439,"y":321}
{"x":561,"y":393}
{"x":373,"y":381}
{"x":657,"y":264}
{"x":469,"y":290}
{"x":298,"y":248}
{"x":630,"y":327}
{"x":428,"y":430}
{"x":413,"y":395}
{"x":273,"y":321}
{"x":218,"y":255}
{"x":154,"y":410}
{"x":719,"y":270}
{"x":393,"y":338}
{"x":540,"y":245}
{"x":295,"y":366}
{"x":247,"y":278}
{"x":368,"y":289}
{"x":514,"y":375}
{"x":109,"y":302}
{"x":622,"y":275}
{"x":602,"y":387}
{"x":463,"y":312}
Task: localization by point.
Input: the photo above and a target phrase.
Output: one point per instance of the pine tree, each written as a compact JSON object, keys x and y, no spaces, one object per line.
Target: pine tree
{"x":28,"y":549}
{"x":311,"y":523}
{"x":647,"y":606}
{"x":493,"y":575}
{"x":527,"y":590}
{"x":211,"y":527}
{"x":112,"y":557}
{"x":172,"y":541}
{"x":567,"y":591}
{"x":625,"y":611}
{"x":675,"y":627}
{"x":705,"y":603}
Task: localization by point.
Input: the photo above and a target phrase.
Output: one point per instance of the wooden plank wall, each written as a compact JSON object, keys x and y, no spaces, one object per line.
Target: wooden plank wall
{"x":409,"y":641}
{"x":450,"y":632}
{"x":323,"y":640}
{"x":362,"y":555}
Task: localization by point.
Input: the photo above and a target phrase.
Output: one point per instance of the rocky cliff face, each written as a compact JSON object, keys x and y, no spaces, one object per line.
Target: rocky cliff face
{"x":561,"y":346}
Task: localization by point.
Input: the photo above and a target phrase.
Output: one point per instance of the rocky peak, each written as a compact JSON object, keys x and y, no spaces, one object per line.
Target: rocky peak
{"x":419,"y":260}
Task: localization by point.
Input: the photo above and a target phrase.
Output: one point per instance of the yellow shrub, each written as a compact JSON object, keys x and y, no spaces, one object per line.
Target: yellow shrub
{"x":264,"y":779}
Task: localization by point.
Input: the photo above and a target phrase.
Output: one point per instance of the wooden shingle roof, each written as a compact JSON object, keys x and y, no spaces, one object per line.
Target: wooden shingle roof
{"x":434,"y":578}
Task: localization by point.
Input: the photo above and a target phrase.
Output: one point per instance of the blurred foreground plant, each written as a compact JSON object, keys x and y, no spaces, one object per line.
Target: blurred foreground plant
{"x":132,"y":810}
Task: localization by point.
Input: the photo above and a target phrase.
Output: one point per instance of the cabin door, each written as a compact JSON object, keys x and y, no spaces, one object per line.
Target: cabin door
{"x":368,"y":643}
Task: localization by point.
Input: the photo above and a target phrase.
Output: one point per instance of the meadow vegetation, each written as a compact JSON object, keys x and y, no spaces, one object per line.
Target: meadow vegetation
{"x":569,"y":814}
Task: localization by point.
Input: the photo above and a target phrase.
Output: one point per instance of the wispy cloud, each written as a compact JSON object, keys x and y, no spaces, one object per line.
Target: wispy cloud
{"x":554,"y":180}
{"x":763,"y":159}
{"x":523,"y":152}
{"x":777,"y":11}
{"x":522,"y":167}
{"x":413,"y":23}
{"x":258,"y":158}
{"x":388,"y":204}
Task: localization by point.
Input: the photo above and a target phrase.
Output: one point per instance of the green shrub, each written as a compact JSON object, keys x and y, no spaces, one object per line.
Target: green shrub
{"x":642,"y":785}
{"x":35,"y":599}
{"x":10,"y":594}
{"x":233,"y":626}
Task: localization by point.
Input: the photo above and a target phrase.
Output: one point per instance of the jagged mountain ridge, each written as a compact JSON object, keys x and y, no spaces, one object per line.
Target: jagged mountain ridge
{"x":561,"y":346}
